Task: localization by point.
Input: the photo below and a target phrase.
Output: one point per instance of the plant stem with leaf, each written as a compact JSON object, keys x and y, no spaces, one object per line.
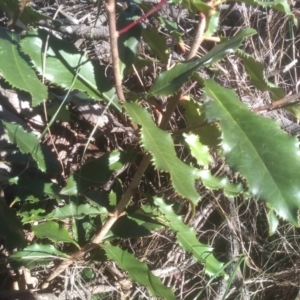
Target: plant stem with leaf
{"x":119,"y":210}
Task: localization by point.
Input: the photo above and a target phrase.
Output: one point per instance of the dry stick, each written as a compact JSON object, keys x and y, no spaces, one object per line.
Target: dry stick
{"x":286,"y":101}
{"x":111,"y":9}
{"x":59,"y":269}
{"x":198,"y":37}
{"x":214,"y":39}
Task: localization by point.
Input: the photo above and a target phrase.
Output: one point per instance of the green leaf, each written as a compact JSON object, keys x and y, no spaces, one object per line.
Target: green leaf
{"x":63,"y":114}
{"x":54,"y":232}
{"x":32,"y":189}
{"x":170,"y":81}
{"x":97,"y":171}
{"x":84,"y":229}
{"x":215,"y":183}
{"x":28,"y":213}
{"x":67,"y":67}
{"x":138,"y":271}
{"x":207,"y":8}
{"x":72,"y":186}
{"x":128,"y":41}
{"x":88,"y":274}
{"x":28,"y":143}
{"x":213,"y":24}
{"x":294,"y":110}
{"x":178,"y":37}
{"x":16,"y":70}
{"x":257,"y":148}
{"x":208,"y":133}
{"x":134,"y":225}
{"x":93,"y":173}
{"x":160,"y":144}
{"x":169,"y":25}
{"x":70,"y":210}
{"x":11,"y":228}
{"x":35,"y":255}
{"x":112,"y":198}
{"x":257,"y":75}
{"x":198,"y":5}
{"x":157,"y":43}
{"x":198,"y":150}
{"x":273,"y":222}
{"x":187,"y":239}
{"x":98,"y":198}
{"x":28,"y":16}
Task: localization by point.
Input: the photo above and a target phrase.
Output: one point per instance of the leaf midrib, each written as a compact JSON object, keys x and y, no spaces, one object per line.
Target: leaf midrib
{"x":252,"y":147}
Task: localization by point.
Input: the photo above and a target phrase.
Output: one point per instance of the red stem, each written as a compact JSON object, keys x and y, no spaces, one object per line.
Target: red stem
{"x":146,"y":15}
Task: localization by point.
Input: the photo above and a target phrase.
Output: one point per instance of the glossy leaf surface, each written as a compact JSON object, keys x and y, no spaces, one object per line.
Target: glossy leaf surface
{"x":54,"y":232}
{"x":70,"y":210}
{"x":160,"y":144}
{"x":214,"y":183}
{"x":34,"y":190}
{"x":133,"y":225}
{"x":170,"y":81}
{"x":138,"y":271}
{"x":258,"y":78}
{"x":97,"y":171}
{"x":208,"y":133}
{"x":27,"y":142}
{"x":16,"y":70}
{"x":198,"y":150}
{"x":35,"y":255}
{"x":250,"y":140}
{"x":187,"y":239}
{"x":273,"y":222}
{"x":128,"y":41}
{"x":66,"y":66}
{"x":157,"y":43}
{"x":28,"y":15}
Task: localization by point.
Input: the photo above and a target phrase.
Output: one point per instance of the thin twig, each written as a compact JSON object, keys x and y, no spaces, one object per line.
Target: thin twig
{"x":198,"y":37}
{"x":214,"y":39}
{"x":286,"y":101}
{"x":111,"y":9}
